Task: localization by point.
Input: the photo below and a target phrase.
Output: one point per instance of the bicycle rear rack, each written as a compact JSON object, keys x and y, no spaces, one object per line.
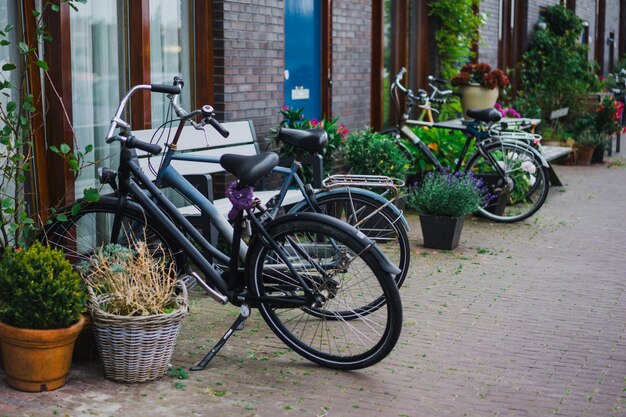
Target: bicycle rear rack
{"x":374,"y":181}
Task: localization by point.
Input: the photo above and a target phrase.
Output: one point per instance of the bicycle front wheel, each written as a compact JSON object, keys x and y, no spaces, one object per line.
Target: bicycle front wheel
{"x":336,"y":332}
{"x":382,"y":225}
{"x":102,"y":223}
{"x":524,"y":187}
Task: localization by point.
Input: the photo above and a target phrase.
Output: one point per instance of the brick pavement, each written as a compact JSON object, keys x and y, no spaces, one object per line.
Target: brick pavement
{"x":519,"y":320}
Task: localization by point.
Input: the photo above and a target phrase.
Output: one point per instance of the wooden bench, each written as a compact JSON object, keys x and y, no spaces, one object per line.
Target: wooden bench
{"x":552,"y":153}
{"x":242,"y":141}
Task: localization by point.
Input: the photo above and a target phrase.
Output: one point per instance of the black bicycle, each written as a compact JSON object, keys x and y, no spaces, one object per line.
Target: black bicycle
{"x":312,"y":277}
{"x":515,"y":173}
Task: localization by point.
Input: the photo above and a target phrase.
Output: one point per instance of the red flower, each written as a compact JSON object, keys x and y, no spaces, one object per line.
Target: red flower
{"x":482,"y":74}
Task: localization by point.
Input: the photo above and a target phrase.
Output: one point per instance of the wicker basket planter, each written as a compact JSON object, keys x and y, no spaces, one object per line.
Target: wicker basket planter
{"x":136,"y":348}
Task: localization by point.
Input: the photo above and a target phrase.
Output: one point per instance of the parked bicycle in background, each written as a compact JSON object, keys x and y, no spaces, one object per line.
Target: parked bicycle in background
{"x":515,"y":173}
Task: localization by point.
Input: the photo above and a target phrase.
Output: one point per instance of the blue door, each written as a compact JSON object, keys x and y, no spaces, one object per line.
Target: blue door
{"x":303,"y":54}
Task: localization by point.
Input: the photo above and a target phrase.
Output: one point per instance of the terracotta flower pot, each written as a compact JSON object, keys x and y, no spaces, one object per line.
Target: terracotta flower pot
{"x":38,"y":360}
{"x":583,"y":155}
{"x":476,"y":97}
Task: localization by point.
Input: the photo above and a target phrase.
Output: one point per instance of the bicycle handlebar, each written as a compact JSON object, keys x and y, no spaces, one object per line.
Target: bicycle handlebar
{"x":133,"y":142}
{"x":117,"y":119}
{"x":165,"y":89}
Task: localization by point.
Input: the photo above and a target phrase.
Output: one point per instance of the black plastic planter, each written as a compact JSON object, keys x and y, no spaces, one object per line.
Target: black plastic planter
{"x":441,"y":232}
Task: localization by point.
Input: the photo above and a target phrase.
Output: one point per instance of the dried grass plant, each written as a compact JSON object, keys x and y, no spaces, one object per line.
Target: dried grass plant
{"x":135,"y":282}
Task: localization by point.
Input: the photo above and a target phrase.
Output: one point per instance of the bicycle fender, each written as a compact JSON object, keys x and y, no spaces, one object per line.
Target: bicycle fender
{"x":524,"y":145}
{"x":382,"y":260}
{"x":382,"y":200}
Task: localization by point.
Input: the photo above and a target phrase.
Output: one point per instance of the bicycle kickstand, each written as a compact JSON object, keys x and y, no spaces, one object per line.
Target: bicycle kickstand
{"x":244,"y":313}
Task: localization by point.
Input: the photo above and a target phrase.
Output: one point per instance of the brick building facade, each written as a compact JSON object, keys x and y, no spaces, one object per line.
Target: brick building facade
{"x":232,"y":55}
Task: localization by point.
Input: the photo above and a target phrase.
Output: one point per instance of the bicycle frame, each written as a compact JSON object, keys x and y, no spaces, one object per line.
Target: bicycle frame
{"x":163,"y":210}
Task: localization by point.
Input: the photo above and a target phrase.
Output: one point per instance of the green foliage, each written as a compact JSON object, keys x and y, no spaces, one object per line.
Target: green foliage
{"x":39,"y":289}
{"x":555,"y":133}
{"x":588,"y":138}
{"x":457,"y":32}
{"x":19,"y":221}
{"x":607,"y":116}
{"x":450,"y":195}
{"x":371,"y":153}
{"x":591,"y":129}
{"x":294,"y":119}
{"x":555,"y":72}
{"x":446,"y":145}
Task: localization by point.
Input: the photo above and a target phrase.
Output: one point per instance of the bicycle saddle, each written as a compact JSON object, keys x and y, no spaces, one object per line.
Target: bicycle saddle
{"x":249,"y":169}
{"x":310,"y":140}
{"x":485,"y":115}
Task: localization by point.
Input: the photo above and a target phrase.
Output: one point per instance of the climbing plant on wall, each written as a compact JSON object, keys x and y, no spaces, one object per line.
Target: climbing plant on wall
{"x":457,"y":32}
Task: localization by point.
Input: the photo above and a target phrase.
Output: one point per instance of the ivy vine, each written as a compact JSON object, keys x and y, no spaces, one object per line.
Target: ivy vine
{"x":457,"y":33}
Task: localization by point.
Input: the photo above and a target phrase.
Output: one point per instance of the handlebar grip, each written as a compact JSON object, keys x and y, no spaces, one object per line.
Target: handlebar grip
{"x":133,"y":142}
{"x":165,"y":89}
{"x":220,"y":129}
{"x":438,"y":100}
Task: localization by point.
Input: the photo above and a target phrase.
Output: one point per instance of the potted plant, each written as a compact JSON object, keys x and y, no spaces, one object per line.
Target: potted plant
{"x":332,"y":154}
{"x":443,"y":200}
{"x":606,"y":122}
{"x":137,"y":306}
{"x":41,"y":301}
{"x":584,"y":144}
{"x":479,"y":86}
{"x":371,"y":153}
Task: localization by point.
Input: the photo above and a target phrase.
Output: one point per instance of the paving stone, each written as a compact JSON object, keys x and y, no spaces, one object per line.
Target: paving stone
{"x":524,"y":319}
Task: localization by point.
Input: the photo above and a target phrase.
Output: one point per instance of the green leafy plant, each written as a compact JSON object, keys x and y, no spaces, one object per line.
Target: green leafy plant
{"x":19,"y":219}
{"x":371,"y":153}
{"x":457,"y":32}
{"x":555,"y":72}
{"x":294,"y":119}
{"x":446,"y":145}
{"x":137,"y":281}
{"x":607,"y":116}
{"x":588,"y":138}
{"x":446,"y":194}
{"x":39,"y":289}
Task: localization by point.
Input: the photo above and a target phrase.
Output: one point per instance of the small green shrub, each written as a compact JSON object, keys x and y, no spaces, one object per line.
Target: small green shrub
{"x":555,"y":71}
{"x":39,"y":289}
{"x":450,"y":195}
{"x":371,"y":153}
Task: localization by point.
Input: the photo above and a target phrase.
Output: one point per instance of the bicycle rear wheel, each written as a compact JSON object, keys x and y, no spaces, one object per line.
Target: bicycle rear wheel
{"x":524,"y":188}
{"x":383,"y":226}
{"x":104,"y":222}
{"x":337,"y":332}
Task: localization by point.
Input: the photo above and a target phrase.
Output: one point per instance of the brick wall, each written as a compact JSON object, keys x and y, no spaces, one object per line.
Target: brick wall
{"x":249,"y":61}
{"x":586,"y":10}
{"x":488,"y":45}
{"x":612,"y":25}
{"x":352,"y":61}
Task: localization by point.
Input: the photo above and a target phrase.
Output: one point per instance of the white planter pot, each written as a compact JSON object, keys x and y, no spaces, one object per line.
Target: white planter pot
{"x":476,"y":97}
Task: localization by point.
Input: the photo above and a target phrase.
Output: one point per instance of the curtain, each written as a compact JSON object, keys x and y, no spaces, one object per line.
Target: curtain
{"x":170,"y":45}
